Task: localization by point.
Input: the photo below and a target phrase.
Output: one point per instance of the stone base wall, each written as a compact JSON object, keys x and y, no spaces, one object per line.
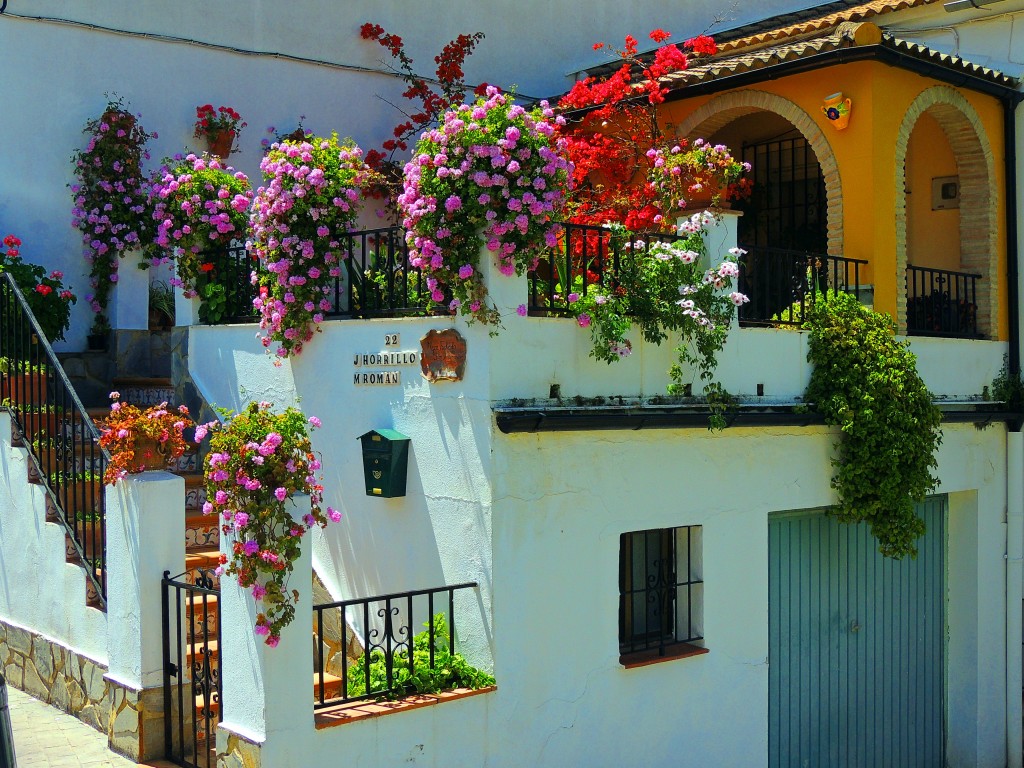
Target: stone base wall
{"x":234,"y":751}
{"x":57,"y":675}
{"x":132,"y":719}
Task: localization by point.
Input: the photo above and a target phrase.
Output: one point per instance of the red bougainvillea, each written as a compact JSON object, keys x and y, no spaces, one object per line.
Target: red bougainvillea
{"x":430,"y":98}
{"x":613,"y":122}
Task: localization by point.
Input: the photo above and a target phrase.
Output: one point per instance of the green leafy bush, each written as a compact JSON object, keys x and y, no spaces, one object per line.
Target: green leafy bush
{"x":416,"y":675}
{"x":866,"y":383}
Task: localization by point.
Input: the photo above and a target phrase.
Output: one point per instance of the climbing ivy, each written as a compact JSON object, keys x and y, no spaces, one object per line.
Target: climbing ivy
{"x":866,"y":383}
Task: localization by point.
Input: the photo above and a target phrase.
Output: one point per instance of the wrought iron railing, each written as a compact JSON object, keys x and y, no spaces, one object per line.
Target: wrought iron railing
{"x":941,"y":302}
{"x":193,"y":706}
{"x":388,"y":624}
{"x":783,"y":284}
{"x":586,"y":259}
{"x":232,"y":268}
{"x":53,"y":424}
{"x":373,"y":280}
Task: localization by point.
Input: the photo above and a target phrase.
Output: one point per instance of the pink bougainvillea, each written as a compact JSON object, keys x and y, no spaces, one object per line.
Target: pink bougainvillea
{"x":298,"y":220}
{"x":492,"y":173}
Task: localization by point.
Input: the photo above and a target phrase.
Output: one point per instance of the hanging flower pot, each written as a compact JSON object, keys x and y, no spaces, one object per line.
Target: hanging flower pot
{"x":220,"y":143}
{"x":219,"y":127}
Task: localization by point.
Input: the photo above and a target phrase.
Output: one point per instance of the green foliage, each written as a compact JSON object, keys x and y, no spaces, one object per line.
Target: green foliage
{"x":1008,"y":388}
{"x":663,"y":288}
{"x":417,"y":675}
{"x":865,"y":382}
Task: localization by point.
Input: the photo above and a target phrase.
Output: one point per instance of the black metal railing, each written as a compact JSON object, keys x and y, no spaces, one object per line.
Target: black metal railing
{"x":53,"y":424}
{"x":388,"y":625}
{"x":586,"y":259}
{"x":941,"y":302}
{"x":192,"y":680}
{"x":232,"y":268}
{"x":783,"y":284}
{"x":373,"y":279}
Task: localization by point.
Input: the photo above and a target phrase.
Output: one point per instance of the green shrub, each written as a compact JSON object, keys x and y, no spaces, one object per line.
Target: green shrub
{"x":449,"y":670}
{"x":866,"y":383}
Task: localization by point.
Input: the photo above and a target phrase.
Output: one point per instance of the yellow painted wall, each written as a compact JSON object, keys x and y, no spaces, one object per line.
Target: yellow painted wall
{"x":865,"y":154}
{"x":933,"y":237}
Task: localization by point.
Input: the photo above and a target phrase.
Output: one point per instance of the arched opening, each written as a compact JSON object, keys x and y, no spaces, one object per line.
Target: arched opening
{"x":792,"y":223}
{"x":945,"y":219}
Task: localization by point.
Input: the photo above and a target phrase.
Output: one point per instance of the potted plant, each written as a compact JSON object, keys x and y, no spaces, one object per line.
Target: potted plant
{"x":98,"y":338}
{"x":111,"y":195}
{"x":161,"y":306}
{"x":201,"y":206}
{"x":139,"y":439}
{"x":258,"y":460}
{"x":20,"y":380}
{"x":44,"y":291}
{"x":307,"y":204}
{"x":697,"y":175}
{"x":491,"y":174}
{"x":220,"y":127}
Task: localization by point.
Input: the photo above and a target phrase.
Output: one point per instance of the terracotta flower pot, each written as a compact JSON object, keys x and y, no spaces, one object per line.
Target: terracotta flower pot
{"x":23,"y":387}
{"x":150,"y":454}
{"x":220,"y":143}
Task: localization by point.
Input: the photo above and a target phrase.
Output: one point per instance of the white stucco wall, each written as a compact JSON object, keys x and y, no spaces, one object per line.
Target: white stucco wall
{"x":536,"y":520}
{"x":39,"y":591}
{"x":560,"y":502}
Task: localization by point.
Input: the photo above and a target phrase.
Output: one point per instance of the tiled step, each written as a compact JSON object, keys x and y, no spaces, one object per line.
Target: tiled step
{"x":207,"y":557}
{"x":195,"y":492}
{"x":332,"y":687}
{"x":201,"y":532}
{"x":202,"y":624}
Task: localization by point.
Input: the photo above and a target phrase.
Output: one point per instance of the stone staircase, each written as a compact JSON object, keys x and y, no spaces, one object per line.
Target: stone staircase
{"x":201,"y":652}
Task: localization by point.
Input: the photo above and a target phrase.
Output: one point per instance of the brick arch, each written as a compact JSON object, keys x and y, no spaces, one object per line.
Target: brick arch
{"x":723,"y":109}
{"x":975,"y":165}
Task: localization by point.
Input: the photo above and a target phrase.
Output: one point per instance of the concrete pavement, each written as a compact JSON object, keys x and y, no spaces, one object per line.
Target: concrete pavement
{"x":45,"y":737}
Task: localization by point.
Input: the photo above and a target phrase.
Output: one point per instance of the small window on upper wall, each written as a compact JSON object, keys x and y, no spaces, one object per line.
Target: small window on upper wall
{"x":661,"y":595}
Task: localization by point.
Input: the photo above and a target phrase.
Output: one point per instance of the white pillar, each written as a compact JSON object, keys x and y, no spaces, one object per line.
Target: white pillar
{"x":186,"y":311}
{"x":268,"y":692}
{"x":505,"y":292}
{"x":130,"y":297}
{"x":145,"y":537}
{"x":721,"y":236}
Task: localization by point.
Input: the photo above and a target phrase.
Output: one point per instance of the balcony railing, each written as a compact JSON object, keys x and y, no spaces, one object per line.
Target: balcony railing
{"x":63,"y":442}
{"x":783,"y":284}
{"x":585,"y":256}
{"x":375,"y":279}
{"x":389,"y":627}
{"x":941,"y":302}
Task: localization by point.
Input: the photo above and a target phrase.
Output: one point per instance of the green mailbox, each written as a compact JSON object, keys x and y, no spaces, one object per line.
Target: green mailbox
{"x":385,"y":462}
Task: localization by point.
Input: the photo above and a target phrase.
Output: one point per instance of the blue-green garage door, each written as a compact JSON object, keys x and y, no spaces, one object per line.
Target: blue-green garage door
{"x":856,"y":645}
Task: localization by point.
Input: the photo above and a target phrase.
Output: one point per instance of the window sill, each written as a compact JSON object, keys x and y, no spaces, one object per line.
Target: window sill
{"x":361,"y":710}
{"x":652,"y":656}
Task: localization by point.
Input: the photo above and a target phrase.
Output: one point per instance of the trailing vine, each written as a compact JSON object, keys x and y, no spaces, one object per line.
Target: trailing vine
{"x":865,"y":382}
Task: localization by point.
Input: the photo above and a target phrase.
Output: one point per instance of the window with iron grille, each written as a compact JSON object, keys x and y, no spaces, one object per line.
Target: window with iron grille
{"x":661,"y":593}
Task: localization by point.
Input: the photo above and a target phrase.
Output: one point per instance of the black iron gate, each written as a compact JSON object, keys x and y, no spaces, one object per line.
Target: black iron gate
{"x":788,"y":205}
{"x":192,"y":685}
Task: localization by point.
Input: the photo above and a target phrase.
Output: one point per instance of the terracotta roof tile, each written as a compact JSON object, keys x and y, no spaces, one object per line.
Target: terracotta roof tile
{"x":845,"y":35}
{"x":820,"y":24}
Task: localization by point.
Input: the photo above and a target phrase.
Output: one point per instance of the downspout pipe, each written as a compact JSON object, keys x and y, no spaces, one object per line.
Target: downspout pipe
{"x":1014,"y":461}
{"x":1014,"y":595}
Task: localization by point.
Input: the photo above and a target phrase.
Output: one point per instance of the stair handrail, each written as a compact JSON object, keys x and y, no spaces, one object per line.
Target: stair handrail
{"x":30,"y":407}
